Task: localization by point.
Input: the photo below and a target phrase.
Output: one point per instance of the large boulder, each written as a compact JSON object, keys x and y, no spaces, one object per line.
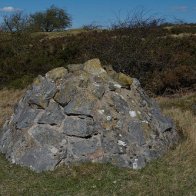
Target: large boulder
{"x":86,"y":114}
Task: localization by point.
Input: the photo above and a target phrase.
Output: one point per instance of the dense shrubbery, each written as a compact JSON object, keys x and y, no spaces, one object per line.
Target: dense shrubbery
{"x":191,"y":28}
{"x":162,"y":63}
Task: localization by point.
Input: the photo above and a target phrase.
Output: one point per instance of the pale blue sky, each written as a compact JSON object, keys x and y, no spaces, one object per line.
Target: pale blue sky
{"x":105,"y":11}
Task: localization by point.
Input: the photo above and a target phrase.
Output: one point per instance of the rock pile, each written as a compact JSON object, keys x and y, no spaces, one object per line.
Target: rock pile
{"x":85,"y":113}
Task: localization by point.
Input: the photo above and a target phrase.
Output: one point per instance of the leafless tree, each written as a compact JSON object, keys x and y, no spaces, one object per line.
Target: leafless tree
{"x":15,"y":22}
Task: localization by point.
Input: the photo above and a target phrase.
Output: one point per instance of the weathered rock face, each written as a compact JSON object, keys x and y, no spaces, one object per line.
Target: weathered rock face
{"x":86,"y":114}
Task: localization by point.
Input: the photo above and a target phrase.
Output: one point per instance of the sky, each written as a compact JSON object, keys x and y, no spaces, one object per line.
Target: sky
{"x":104,"y":12}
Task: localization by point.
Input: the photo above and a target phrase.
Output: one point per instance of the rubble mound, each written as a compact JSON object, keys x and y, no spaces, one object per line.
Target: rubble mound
{"x":86,"y":114}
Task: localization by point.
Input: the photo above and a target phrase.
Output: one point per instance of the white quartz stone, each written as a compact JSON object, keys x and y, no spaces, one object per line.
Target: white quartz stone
{"x":145,"y":121}
{"x":117,"y":85}
{"x":135,"y":164}
{"x":132,"y":114}
{"x":101,"y":111}
{"x":109,"y":118}
{"x":121,"y":143}
{"x":53,"y":150}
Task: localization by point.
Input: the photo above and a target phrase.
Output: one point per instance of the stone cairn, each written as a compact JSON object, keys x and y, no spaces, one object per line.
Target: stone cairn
{"x":86,"y":114}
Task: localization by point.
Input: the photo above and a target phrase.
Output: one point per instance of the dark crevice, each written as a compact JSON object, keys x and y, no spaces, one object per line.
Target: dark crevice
{"x":61,"y":104}
{"x":102,"y":95}
{"x":55,"y":94}
{"x":59,"y":162}
{"x":51,"y":124}
{"x":168,"y":130}
{"x":126,"y":87}
{"x":35,"y":106}
{"x":81,"y":116}
{"x":82,"y":137}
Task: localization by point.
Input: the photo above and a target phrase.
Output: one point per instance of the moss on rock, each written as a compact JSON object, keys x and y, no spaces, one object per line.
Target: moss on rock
{"x":94,"y":67}
{"x":57,"y":73}
{"x":124,"y":79}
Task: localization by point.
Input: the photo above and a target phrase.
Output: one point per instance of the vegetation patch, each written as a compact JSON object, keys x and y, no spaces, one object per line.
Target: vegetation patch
{"x":163,"y":64}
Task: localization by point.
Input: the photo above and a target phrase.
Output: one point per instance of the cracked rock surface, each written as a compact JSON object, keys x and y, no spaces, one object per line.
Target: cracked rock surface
{"x":85,"y":113}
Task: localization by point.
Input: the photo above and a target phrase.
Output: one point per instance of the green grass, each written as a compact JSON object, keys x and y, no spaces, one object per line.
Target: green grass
{"x":167,"y":176}
{"x":173,"y":174}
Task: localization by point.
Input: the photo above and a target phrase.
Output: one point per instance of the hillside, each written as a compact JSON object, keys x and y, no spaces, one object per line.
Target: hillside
{"x":161,"y":57}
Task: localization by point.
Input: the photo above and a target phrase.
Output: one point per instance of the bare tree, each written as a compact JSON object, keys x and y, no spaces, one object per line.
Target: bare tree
{"x":15,"y":22}
{"x":92,"y":26}
{"x":137,"y":19}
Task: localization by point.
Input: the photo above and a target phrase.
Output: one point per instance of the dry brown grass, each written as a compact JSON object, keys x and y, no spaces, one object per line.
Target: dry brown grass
{"x":181,"y":111}
{"x":186,"y":121}
{"x":8,"y":98}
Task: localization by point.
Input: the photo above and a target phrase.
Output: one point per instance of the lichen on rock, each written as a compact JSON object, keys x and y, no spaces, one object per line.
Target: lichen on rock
{"x":124,"y":79}
{"x":87,"y":114}
{"x":57,"y":73}
{"x":94,"y":67}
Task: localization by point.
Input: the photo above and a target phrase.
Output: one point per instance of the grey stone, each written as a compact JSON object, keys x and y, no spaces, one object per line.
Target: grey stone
{"x":138,"y":162}
{"x":82,"y":104}
{"x":83,"y":147}
{"x":112,"y":86}
{"x":6,"y":141}
{"x":45,"y":135}
{"x":86,"y":115}
{"x":120,"y":104}
{"x":53,"y":114}
{"x":110,"y":143}
{"x":25,"y":118}
{"x":160,"y":122}
{"x":136,"y":133}
{"x":38,"y":159}
{"x":118,"y":160}
{"x":193,"y":108}
{"x":79,"y":127}
{"x":42,"y":91}
{"x":66,"y":93}
{"x":98,"y":91}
